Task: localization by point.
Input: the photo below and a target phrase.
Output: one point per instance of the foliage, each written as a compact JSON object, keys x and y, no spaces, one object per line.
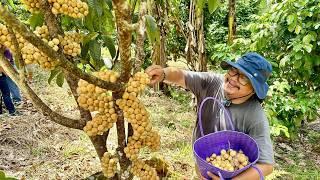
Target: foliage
{"x":286,"y":34}
{"x":3,"y":176}
{"x":216,"y":27}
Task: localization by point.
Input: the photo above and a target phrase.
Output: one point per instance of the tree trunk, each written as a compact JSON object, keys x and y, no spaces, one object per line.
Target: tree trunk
{"x":195,"y":49}
{"x":202,"y":62}
{"x":232,"y":21}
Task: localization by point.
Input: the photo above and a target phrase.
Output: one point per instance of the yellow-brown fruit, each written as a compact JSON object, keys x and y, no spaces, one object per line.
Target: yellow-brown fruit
{"x":72,"y":8}
{"x":32,"y":5}
{"x":143,"y":171}
{"x":109,"y":164}
{"x":230,"y":160}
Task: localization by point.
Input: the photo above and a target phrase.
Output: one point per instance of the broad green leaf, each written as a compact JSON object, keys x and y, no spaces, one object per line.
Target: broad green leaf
{"x":95,"y":50}
{"x":152,"y":29}
{"x":84,"y":51}
{"x":298,"y":29}
{"x":107,"y":21}
{"x":53,"y":74}
{"x":213,"y":5}
{"x":107,"y":41}
{"x":109,"y":3}
{"x":308,"y":47}
{"x":308,"y":38}
{"x":317,"y":26}
{"x":36,"y":20}
{"x":284,"y":60}
{"x":298,"y":55}
{"x":88,"y":20}
{"x":290,"y":19}
{"x":60,"y":79}
{"x":98,"y":5}
{"x":2,"y":175}
{"x":91,"y":3}
{"x":11,"y":3}
{"x":292,"y":27}
{"x":89,"y":37}
{"x":297,"y":64}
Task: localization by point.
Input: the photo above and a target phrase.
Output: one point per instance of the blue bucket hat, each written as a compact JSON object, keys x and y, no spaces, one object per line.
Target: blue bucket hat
{"x":256,"y":68}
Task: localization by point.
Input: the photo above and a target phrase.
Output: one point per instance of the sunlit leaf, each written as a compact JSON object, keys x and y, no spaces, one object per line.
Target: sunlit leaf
{"x":109,"y":42}
{"x":213,"y":5}
{"x":152,"y":29}
{"x":53,"y":74}
{"x":36,"y":20}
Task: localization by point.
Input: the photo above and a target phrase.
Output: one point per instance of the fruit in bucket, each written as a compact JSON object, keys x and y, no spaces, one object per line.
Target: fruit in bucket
{"x":229,"y":160}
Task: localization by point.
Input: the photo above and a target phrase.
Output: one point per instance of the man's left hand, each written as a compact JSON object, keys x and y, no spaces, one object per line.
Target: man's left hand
{"x":211,"y":175}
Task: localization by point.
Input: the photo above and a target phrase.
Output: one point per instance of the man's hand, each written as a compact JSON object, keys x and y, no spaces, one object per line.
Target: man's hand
{"x":156,"y":73}
{"x":213,"y":176}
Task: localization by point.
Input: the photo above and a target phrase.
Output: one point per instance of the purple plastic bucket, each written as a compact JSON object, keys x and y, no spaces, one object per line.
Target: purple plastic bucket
{"x":211,"y":143}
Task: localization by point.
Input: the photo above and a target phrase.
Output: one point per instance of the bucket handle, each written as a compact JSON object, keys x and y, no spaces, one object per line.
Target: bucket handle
{"x":220,"y":105}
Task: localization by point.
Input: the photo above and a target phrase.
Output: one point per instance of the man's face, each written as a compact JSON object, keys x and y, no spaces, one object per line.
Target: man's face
{"x":236,"y":84}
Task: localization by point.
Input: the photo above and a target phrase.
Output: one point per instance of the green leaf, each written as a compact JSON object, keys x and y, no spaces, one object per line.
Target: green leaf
{"x":88,"y":20}
{"x":290,"y":19}
{"x":84,"y":51}
{"x":60,"y":79}
{"x":297,"y":64}
{"x":152,"y":29}
{"x":213,"y":5}
{"x":109,"y":3}
{"x":307,"y":39}
{"x":2,"y":175}
{"x":298,"y":29}
{"x":292,"y":27}
{"x":53,"y":74}
{"x":36,"y":20}
{"x":308,"y":47}
{"x":95,"y":50}
{"x":89,"y":37}
{"x":298,"y":55}
{"x":11,"y":3}
{"x":98,"y":4}
{"x":108,"y":41}
{"x":91,"y":3}
{"x":284,"y":60}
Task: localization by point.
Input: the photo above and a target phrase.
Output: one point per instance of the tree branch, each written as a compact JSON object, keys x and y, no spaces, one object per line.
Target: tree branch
{"x":123,"y":21}
{"x":13,"y":22}
{"x":18,"y":56}
{"x":55,"y":117}
{"x":140,"y":37}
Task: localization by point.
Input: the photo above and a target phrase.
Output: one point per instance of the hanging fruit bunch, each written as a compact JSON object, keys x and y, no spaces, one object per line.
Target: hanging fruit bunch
{"x":143,"y":135}
{"x":71,"y":43}
{"x":72,"y":8}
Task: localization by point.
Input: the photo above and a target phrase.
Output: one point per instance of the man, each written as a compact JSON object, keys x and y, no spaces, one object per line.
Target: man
{"x":242,"y":89}
{"x":4,"y":88}
{"x":14,"y":90}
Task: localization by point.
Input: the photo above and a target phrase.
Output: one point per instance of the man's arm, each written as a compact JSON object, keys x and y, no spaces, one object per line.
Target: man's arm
{"x":250,"y":173}
{"x":169,"y":75}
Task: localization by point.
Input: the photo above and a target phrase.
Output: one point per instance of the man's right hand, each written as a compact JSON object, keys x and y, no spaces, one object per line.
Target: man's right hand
{"x":156,"y":73}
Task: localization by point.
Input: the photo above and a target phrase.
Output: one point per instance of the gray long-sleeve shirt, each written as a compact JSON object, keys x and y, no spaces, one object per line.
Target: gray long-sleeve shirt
{"x":247,"y":117}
